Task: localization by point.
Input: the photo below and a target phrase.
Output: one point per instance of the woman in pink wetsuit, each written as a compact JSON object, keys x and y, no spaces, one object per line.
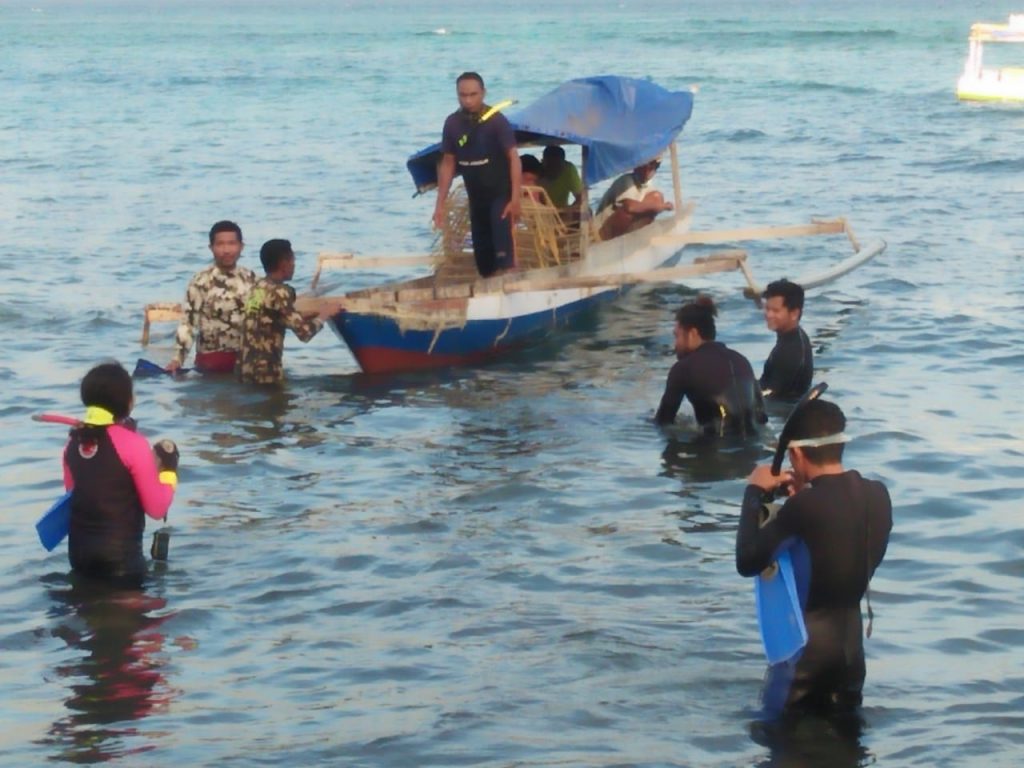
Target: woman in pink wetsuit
{"x":115,"y":479}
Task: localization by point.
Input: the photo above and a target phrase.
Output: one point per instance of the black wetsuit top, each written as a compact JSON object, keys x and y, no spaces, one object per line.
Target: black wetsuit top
{"x":843,"y":523}
{"x":713,"y":377}
{"x":789,"y":369}
{"x":107,"y":519}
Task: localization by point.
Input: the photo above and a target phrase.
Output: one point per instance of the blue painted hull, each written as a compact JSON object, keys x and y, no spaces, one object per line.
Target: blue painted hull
{"x":381,"y":346}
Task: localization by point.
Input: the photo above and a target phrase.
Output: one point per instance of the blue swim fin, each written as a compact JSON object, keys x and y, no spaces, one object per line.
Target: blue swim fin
{"x":147,"y":368}
{"x":778,"y":611}
{"x":53,"y":526}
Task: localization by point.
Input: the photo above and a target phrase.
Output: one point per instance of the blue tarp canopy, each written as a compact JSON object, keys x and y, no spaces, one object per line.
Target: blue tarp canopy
{"x":623,"y":123}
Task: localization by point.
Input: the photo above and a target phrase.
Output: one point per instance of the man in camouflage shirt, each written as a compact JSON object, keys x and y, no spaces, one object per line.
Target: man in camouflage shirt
{"x":269,"y":310}
{"x":213,"y":305}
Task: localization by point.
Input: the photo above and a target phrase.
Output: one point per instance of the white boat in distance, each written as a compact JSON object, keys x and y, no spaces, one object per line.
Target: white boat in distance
{"x":994,"y":84}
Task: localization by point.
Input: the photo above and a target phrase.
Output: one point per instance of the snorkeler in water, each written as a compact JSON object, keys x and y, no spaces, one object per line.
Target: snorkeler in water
{"x":836,"y":524}
{"x":115,"y":480}
{"x":718,"y":381}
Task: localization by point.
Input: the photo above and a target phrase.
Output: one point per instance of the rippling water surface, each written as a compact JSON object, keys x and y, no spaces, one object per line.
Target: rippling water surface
{"x":505,"y":566}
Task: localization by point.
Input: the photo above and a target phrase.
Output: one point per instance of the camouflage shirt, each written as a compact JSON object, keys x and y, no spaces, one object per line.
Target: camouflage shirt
{"x":269,"y":309}
{"x":213,"y":311}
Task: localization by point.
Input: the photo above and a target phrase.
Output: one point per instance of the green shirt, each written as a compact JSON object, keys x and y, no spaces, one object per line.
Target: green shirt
{"x":567,"y":181}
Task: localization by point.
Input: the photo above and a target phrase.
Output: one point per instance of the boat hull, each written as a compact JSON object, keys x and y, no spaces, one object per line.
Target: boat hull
{"x":992,"y":85}
{"x":496,"y":322}
{"x":380,"y":345}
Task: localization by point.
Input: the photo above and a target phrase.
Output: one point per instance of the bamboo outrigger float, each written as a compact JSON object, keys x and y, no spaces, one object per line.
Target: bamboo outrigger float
{"x":453,"y":317}
{"x":993,"y":84}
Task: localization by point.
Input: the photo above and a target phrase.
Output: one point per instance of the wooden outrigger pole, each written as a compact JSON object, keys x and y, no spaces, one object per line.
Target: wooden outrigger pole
{"x":166,"y":312}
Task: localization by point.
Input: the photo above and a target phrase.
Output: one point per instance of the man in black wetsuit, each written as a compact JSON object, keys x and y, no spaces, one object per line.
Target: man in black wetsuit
{"x":837,"y":524}
{"x":718,"y":381}
{"x":790,"y":366}
{"x":480,"y":141}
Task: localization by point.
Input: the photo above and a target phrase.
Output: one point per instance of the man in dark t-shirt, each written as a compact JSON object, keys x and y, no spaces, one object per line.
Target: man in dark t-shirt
{"x":479,"y":143}
{"x":790,"y":366}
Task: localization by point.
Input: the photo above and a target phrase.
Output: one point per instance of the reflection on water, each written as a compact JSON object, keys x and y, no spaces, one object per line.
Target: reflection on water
{"x":808,"y":741}
{"x":116,"y":678}
{"x":710,"y":459}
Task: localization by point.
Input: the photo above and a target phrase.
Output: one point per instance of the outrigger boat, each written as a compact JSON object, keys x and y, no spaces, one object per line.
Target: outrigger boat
{"x":994,"y":84}
{"x":453,"y":317}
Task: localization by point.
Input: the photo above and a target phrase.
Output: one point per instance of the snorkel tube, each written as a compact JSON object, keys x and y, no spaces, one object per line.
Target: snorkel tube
{"x":786,"y":434}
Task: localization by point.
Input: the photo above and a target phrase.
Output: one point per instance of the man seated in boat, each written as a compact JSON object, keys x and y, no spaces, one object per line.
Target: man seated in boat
{"x":718,"y":381}
{"x":631,"y":202}
{"x":561,"y":179}
{"x":789,"y":368}
{"x":213,"y":305}
{"x":530,"y":177}
{"x":480,"y":142}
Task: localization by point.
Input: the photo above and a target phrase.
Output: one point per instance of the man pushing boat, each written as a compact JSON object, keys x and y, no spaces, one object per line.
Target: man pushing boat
{"x":269,"y":310}
{"x":479,"y":141}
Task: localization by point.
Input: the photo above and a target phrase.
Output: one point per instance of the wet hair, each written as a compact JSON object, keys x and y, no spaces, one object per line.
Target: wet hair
{"x":553,"y":151}
{"x":470,"y":76}
{"x":818,"y":418}
{"x":700,"y":314}
{"x":791,"y":293}
{"x":108,"y":385}
{"x":225,"y":226}
{"x":530,"y":164}
{"x":274,"y":252}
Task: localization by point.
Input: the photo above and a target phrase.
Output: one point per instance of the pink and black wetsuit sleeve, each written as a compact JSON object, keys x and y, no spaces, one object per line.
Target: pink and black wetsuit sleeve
{"x":137,"y":457}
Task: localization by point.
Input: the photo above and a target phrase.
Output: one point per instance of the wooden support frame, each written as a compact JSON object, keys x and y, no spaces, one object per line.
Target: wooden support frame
{"x":337,"y":260}
{"x":724,"y":261}
{"x":677,"y":184}
{"x":711,"y":237}
{"x":159,"y":312}
{"x":585,"y":221}
{"x":420,"y":304}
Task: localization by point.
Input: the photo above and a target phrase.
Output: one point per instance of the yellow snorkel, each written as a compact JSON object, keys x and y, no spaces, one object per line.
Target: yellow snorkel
{"x":496,"y":109}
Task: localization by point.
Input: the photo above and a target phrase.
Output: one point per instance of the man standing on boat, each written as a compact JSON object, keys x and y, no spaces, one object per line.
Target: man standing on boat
{"x":718,"y":381}
{"x":479,"y":141}
{"x":213,"y":305}
{"x":790,"y":366}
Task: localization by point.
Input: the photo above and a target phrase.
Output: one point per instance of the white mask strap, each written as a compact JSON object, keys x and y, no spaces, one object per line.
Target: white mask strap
{"x":818,"y":442}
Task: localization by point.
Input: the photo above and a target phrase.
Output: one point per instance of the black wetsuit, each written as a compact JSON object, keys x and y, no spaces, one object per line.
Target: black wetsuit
{"x":107,"y":518}
{"x":789,"y":369}
{"x":714,"y":377}
{"x":481,"y":150}
{"x":839,"y":530}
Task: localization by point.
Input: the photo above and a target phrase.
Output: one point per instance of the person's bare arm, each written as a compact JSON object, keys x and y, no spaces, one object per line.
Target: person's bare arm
{"x":653,"y":202}
{"x":445,"y":174}
{"x":515,"y":168}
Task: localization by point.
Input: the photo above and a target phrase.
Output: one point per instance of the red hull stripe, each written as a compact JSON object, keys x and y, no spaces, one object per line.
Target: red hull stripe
{"x":390,"y":360}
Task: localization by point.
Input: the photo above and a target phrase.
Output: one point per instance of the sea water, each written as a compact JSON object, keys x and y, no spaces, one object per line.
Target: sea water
{"x":509,"y":565}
